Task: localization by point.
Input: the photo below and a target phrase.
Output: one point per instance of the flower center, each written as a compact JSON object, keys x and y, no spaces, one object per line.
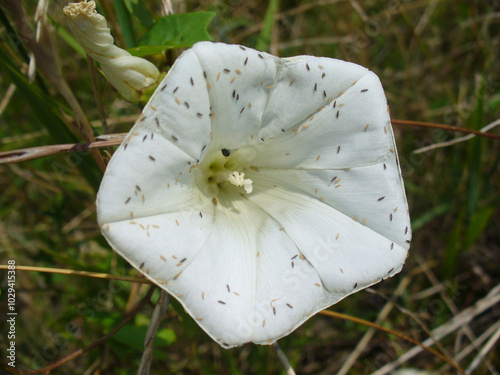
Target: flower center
{"x":223,"y":170}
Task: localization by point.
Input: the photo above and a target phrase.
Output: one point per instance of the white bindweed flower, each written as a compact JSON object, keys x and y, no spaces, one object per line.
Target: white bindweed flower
{"x":258,"y":190}
{"x":127,"y":73}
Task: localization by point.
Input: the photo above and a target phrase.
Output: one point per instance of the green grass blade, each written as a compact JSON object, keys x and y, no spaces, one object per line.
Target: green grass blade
{"x":474,"y":152}
{"x":125,"y":23}
{"x":477,"y":225}
{"x":453,"y":246}
{"x":12,"y":37}
{"x":427,"y":217}
{"x":265,"y":34}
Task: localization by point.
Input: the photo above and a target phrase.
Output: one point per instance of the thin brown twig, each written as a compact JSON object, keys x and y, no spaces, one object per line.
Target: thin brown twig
{"x":20,"y":155}
{"x":392,"y":332}
{"x":79,"y":352}
{"x":96,"y":275}
{"x":284,"y":360}
{"x":25,"y":154}
{"x":444,"y":127}
{"x":6,"y":99}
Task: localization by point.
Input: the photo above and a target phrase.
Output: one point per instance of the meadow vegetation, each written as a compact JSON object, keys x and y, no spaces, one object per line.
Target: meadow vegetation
{"x":438,"y":61}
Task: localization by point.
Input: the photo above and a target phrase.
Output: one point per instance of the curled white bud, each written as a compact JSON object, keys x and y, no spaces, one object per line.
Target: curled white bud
{"x":128,"y":74}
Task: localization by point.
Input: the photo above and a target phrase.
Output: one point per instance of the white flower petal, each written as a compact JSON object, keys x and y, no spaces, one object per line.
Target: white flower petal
{"x":371,"y":195}
{"x":180,"y":108}
{"x":345,"y":253}
{"x":303,"y":85}
{"x":352,"y":130}
{"x":218,"y":286}
{"x":288,"y":287}
{"x":149,"y":176}
{"x":240,"y":80}
{"x":168,"y":242}
{"x":242,"y":286}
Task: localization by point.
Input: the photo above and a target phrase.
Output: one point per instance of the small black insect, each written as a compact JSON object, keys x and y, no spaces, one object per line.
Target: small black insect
{"x":225,"y":152}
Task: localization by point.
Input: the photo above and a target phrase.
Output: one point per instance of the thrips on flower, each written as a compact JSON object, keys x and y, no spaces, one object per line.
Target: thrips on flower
{"x":282,"y":198}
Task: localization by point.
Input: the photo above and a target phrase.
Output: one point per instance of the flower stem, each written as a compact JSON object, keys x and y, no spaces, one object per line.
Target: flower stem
{"x":97,"y":94}
{"x":281,"y":355}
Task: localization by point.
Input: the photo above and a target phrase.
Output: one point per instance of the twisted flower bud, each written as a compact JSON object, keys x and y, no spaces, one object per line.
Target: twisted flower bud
{"x":128,"y":74}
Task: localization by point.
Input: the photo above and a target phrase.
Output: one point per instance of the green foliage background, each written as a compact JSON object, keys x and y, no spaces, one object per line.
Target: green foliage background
{"x":438,"y":62}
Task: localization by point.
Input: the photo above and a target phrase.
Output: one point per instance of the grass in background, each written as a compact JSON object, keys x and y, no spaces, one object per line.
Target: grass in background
{"x":438,"y":62}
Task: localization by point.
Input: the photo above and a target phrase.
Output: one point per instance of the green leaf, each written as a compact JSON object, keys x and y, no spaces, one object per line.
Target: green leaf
{"x":494,"y":102}
{"x":132,"y":336}
{"x":474,"y":151}
{"x":428,"y":216}
{"x":476,"y":226}
{"x":165,"y":337}
{"x":137,"y":10}
{"x":179,"y":30}
{"x":453,"y":245}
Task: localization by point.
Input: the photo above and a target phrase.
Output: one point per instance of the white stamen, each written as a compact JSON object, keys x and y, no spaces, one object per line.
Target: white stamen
{"x":238,"y":179}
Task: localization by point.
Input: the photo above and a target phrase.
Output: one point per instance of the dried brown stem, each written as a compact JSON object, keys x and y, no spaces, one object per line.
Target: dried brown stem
{"x":62,"y":271}
{"x":444,"y":127}
{"x":17,"y":156}
{"x":25,"y":154}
